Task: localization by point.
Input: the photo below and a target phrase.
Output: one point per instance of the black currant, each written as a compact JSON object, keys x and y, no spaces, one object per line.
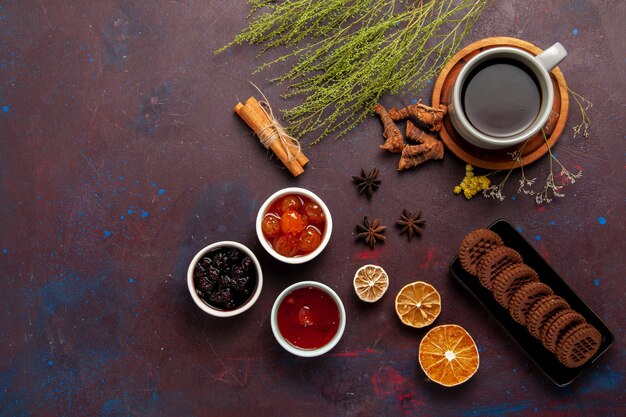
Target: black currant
{"x":226,"y":281}
{"x":220,"y":260}
{"x":199,"y":271}
{"x":233,"y":254}
{"x":240,"y":283}
{"x":246,"y":263}
{"x":213,"y":274}
{"x":205,"y":285}
{"x":237,"y":271}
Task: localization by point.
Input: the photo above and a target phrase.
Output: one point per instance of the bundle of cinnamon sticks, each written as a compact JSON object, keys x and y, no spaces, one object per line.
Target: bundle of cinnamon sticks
{"x":272,"y":135}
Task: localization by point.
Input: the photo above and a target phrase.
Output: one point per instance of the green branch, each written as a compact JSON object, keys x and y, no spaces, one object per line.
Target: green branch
{"x":349,"y":53}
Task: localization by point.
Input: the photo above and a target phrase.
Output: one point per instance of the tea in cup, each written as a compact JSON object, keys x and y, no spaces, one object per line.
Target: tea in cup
{"x":504,"y":95}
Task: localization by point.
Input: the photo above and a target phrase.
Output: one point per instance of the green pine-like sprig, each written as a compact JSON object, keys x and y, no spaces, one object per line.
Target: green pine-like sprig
{"x":349,"y":53}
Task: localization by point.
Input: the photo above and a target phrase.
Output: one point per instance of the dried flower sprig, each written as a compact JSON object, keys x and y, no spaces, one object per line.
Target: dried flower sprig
{"x":495,"y":191}
{"x":523,"y":181}
{"x":583,"y":105}
{"x":550,"y":189}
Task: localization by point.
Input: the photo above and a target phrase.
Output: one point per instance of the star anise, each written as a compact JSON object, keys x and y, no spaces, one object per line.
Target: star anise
{"x":411,"y":223}
{"x":370,"y":232}
{"x":367,"y":183}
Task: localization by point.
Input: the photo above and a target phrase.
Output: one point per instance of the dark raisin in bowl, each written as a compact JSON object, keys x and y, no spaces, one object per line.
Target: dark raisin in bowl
{"x":225,"y":279}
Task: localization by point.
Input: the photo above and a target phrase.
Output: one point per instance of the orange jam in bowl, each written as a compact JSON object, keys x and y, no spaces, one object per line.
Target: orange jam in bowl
{"x":294,"y":225}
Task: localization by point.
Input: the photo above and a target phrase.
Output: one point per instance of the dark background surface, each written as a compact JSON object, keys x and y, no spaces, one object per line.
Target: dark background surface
{"x":121,"y":157}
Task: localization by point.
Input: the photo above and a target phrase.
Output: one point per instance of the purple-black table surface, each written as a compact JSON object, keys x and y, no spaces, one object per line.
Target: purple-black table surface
{"x":121,"y":157}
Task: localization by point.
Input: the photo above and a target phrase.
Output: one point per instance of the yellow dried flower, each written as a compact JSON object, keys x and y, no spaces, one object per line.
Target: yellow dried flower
{"x":472,"y":184}
{"x":483,"y":182}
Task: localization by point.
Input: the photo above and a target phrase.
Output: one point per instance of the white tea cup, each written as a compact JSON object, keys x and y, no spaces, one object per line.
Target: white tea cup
{"x":504,"y":95}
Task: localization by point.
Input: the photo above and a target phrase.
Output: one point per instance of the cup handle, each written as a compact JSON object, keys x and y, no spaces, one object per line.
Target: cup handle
{"x":551,"y":57}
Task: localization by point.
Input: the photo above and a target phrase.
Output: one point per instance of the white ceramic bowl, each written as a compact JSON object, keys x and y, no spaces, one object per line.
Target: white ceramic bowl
{"x":308,"y":353}
{"x":325,"y":236}
{"x":215,"y":311}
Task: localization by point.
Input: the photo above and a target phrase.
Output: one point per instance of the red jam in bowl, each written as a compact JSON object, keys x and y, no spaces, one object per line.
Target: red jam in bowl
{"x":308,"y":318}
{"x":294,"y":225}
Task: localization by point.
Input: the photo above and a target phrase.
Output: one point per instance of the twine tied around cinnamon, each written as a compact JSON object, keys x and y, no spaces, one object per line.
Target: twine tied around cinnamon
{"x":260,"y":117}
{"x":275,"y":131}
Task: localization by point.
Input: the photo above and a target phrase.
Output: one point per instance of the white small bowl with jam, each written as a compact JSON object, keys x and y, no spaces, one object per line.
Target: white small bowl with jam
{"x":294,"y":225}
{"x":225,"y":279}
{"x":308,"y":319}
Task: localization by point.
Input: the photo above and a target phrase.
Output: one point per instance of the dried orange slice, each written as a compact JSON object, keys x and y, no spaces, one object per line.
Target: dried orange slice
{"x":370,"y":283}
{"x":448,"y":355}
{"x":418,"y":304}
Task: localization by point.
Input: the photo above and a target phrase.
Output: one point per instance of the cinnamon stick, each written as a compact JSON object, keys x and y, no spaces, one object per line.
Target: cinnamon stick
{"x":256,"y":118}
{"x":295,"y":151}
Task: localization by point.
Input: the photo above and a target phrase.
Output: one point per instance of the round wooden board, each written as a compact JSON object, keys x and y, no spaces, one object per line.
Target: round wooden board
{"x":535,"y":147}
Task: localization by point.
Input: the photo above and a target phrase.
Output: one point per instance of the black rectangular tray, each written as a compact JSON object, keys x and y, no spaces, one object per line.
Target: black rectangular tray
{"x":545,"y":360}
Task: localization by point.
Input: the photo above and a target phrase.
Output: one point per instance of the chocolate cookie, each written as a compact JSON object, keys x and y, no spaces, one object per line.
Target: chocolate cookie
{"x":475,"y":245}
{"x":551,"y":320}
{"x":578,"y":345}
{"x":558,"y":325}
{"x":542,"y":311}
{"x":507,"y":282}
{"x":494,"y":262}
{"x":525,"y":297}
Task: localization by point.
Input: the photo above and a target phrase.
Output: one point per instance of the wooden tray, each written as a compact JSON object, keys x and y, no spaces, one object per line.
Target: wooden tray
{"x":499,"y":159}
